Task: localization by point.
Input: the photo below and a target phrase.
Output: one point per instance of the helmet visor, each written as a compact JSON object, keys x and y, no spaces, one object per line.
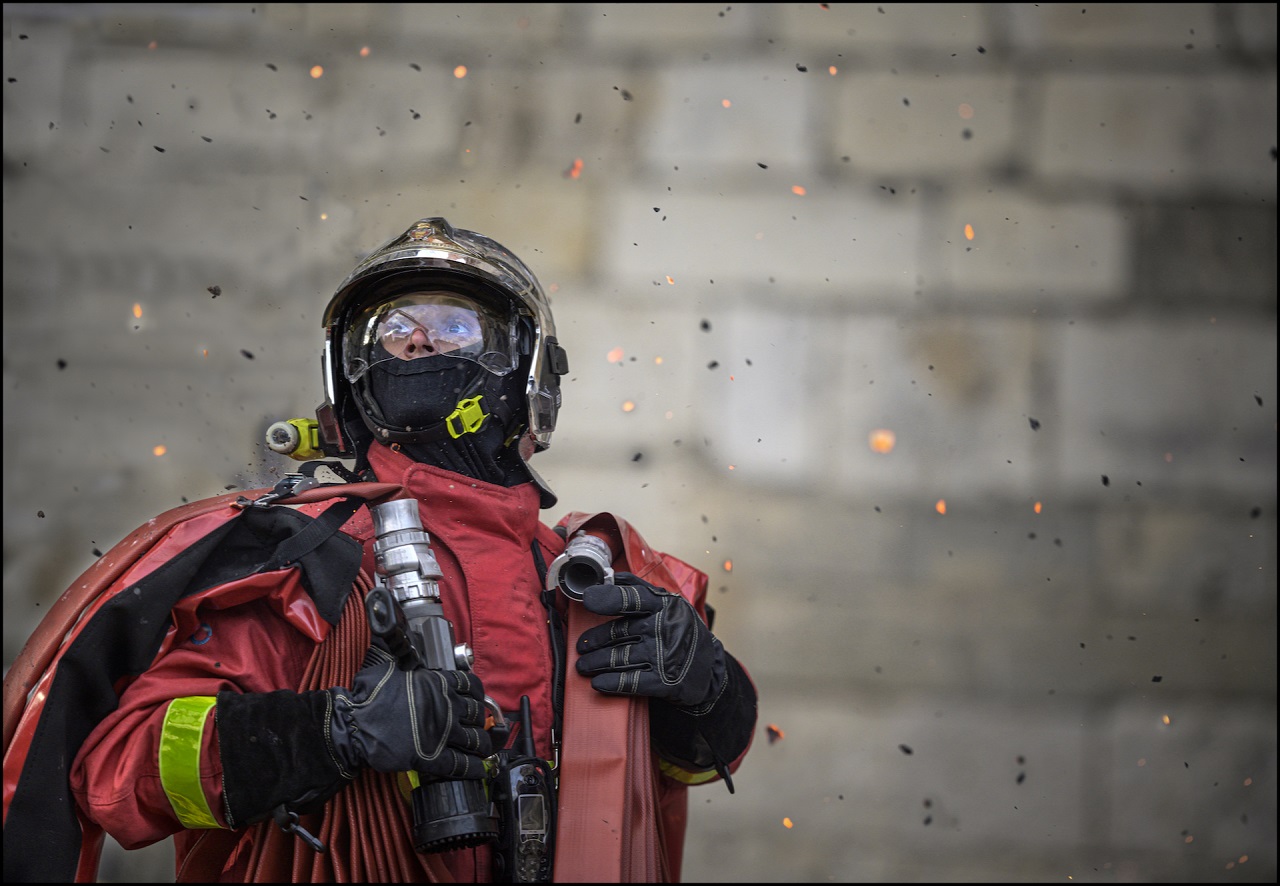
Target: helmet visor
{"x":428,"y":324}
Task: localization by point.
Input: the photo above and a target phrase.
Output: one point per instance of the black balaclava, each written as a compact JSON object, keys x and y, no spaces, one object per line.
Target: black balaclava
{"x":422,"y":392}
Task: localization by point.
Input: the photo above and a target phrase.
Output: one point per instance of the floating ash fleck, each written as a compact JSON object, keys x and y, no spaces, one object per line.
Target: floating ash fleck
{"x":906,"y":749}
{"x":214,"y":290}
{"x":1035,"y":424}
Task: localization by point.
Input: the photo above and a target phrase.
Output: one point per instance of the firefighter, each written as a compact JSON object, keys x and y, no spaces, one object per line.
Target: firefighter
{"x":274,"y":739}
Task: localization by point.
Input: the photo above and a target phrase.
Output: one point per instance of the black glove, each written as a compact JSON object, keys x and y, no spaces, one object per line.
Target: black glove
{"x":659,"y":647}
{"x":393,"y":720}
{"x":300,"y":748}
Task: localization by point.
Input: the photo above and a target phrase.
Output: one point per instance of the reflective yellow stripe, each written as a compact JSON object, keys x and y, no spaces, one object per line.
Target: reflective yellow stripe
{"x":684,"y":775}
{"x":180,"y":742}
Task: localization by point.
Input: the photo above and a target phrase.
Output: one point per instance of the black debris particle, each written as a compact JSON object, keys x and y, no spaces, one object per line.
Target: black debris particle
{"x":657,"y":209}
{"x":1258,"y":399}
{"x":1157,"y":678}
{"x":801,"y":68}
{"x":905,"y":749}
{"x":705,"y":325}
{"x":206,"y":138}
{"x":928,"y":820}
{"x":300,"y":197}
{"x":415,"y":66}
{"x":626,"y":96}
{"x":248,"y":354}
{"x":1255,"y":513}
{"x":158,"y":148}
{"x":713,"y":364}
{"x":1022,"y":776}
{"x":637,"y":456}
{"x":1106,"y":481}
{"x":272,"y":67}
{"x":62,"y":364}
{"x":40,"y":514}
{"x":97,"y":553}
{"x":762,"y":165}
{"x":982,"y":50}
{"x":578,"y":118}
{"x":214,"y":290}
{"x":1035,"y":424}
{"x":967,"y":133}
{"x":906,"y":102}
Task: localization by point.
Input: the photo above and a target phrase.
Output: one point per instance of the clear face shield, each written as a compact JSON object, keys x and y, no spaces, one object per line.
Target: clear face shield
{"x":426,"y":324}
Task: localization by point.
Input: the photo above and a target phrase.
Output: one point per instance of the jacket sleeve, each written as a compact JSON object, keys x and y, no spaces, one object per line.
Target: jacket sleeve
{"x":695,"y":749}
{"x":164,"y":723}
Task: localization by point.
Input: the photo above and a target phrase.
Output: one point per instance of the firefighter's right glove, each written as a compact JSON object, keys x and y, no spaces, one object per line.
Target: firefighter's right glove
{"x":300,"y":748}
{"x":427,"y":720}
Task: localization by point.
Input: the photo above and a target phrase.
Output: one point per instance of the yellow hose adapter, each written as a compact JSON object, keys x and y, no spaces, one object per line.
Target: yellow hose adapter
{"x":298,"y":438}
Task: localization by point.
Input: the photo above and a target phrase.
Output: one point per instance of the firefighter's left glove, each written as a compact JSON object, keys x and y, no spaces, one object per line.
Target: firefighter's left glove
{"x":300,"y":748}
{"x":658,"y":646}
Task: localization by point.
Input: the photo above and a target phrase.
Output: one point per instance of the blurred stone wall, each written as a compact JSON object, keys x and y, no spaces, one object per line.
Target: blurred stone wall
{"x":942,"y":336}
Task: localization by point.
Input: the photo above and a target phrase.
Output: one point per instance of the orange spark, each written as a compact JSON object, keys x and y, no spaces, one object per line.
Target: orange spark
{"x":159,"y":450}
{"x":614,"y":355}
{"x":460,"y":71}
{"x":316,"y":72}
{"x":882,"y":440}
{"x":798,"y":190}
{"x":575,"y":170}
{"x":724,"y":103}
{"x":774,"y":733}
{"x":832,"y":70}
{"x":966,"y":111}
{"x":728,"y":566}
{"x":968,"y":232}
{"x":364,"y":52}
{"x":670,"y":280}
{"x":627,"y":406}
{"x":1037,"y":507}
{"x":786,"y":823}
{"x":941,"y":506}
{"x":137,"y":310}
{"x":152,"y":45}
{"x":657,"y":360}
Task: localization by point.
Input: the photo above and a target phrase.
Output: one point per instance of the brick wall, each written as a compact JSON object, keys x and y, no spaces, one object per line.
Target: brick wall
{"x":1037,"y":243}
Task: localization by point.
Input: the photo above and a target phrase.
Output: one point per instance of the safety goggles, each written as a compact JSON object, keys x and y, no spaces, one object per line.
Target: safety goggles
{"x":428,"y":324}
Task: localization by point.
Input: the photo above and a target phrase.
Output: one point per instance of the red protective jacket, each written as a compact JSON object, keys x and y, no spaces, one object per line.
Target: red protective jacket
{"x":259,"y":639}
